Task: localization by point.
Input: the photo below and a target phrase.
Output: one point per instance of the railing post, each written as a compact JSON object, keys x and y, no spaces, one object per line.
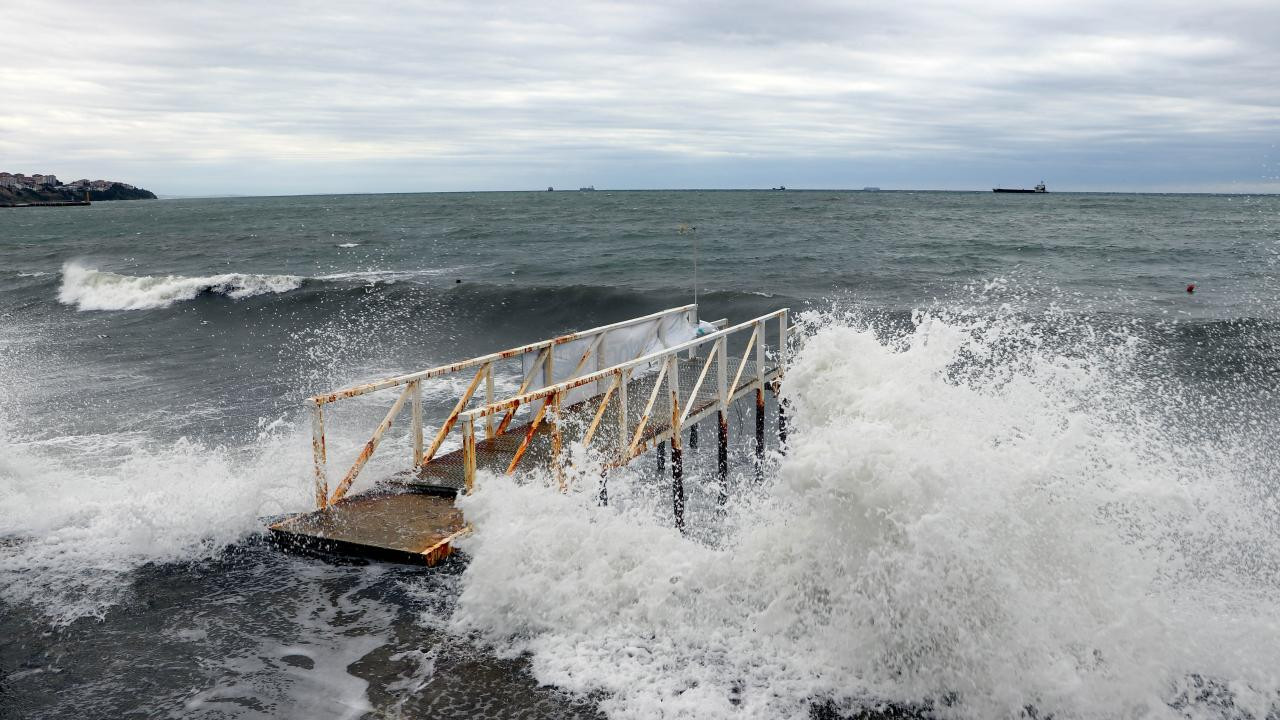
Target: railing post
{"x":722,"y":418}
{"x":782,"y":343}
{"x":623,"y":435}
{"x":416,"y":429}
{"x":556,"y":441}
{"x":318,"y":454}
{"x":469,"y":454}
{"x":677,"y":453}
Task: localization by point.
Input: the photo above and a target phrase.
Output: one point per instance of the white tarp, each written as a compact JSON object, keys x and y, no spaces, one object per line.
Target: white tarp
{"x":620,"y":345}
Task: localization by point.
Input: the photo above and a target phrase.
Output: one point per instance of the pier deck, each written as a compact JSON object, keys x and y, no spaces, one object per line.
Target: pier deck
{"x":411,"y":517}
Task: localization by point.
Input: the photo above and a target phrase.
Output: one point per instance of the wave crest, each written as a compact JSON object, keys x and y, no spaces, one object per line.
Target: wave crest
{"x":89,"y":288}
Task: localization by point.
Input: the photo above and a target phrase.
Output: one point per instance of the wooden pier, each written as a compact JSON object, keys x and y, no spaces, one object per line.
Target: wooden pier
{"x":619,"y":410}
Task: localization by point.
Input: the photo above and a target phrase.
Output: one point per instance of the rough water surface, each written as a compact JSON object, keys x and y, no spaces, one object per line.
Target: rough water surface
{"x":1028,"y":474}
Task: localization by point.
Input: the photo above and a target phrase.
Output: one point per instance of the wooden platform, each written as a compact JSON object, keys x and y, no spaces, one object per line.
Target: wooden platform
{"x":410,"y":517}
{"x":385,"y":524}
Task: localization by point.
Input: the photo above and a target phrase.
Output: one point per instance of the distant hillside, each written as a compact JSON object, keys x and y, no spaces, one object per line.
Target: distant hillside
{"x":63,"y":193}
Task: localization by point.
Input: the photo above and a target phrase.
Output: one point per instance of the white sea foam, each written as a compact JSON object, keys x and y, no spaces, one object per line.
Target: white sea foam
{"x":966,"y":520}
{"x":91,"y":289}
{"x":76,"y":517}
{"x":348,"y":245}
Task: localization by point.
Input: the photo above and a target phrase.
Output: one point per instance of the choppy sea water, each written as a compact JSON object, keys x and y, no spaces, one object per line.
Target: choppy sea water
{"x":1028,"y":473}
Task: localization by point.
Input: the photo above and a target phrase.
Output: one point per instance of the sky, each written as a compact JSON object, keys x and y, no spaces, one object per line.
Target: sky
{"x":270,"y":97}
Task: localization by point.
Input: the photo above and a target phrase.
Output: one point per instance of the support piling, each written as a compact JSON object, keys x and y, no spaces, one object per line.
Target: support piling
{"x":722,"y":458}
{"x":759,"y":435}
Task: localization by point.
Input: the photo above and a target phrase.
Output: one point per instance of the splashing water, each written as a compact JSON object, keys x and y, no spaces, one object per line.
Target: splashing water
{"x":92,"y":289}
{"x":76,"y":524}
{"x":978,"y":517}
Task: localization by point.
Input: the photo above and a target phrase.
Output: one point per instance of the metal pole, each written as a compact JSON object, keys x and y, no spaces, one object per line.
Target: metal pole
{"x":760,"y":342}
{"x":782,"y":343}
{"x":759,"y":435}
{"x":556,"y":441}
{"x":469,"y":454}
{"x":416,"y":430}
{"x":722,"y":418}
{"x":623,"y":435}
{"x":693,"y":436}
{"x":677,"y":453}
{"x":662,"y":458}
{"x":722,"y":460}
{"x":318,"y":454}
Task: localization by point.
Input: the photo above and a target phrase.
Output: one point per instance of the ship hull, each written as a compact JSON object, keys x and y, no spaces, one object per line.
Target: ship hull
{"x":1016,"y":190}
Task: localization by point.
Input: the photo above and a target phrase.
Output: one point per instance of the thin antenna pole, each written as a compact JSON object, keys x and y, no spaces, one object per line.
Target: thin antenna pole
{"x":695,"y":266}
{"x":693,"y":230}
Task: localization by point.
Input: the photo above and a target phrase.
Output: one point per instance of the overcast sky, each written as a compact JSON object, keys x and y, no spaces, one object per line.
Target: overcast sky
{"x":270,"y":97}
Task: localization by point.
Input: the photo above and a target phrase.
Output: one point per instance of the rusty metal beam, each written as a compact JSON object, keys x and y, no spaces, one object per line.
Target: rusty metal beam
{"x":415,"y":391}
{"x":604,"y":403}
{"x":469,"y":455}
{"x":693,"y":395}
{"x":528,"y":437}
{"x":453,"y":416}
{"x":524,"y":386}
{"x":369,"y":447}
{"x":318,"y":454}
{"x":648,"y":409}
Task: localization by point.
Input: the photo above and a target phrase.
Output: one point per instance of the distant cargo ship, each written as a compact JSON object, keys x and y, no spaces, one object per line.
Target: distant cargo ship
{"x":1038,"y":189}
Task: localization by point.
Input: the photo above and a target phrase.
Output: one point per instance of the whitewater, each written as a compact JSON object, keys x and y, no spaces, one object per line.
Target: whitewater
{"x":970,"y":540}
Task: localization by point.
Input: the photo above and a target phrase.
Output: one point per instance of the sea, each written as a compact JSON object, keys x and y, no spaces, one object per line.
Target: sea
{"x":1032,"y":464}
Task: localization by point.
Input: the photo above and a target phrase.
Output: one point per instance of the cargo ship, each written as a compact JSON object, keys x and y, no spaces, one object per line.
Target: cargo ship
{"x":1038,"y":189}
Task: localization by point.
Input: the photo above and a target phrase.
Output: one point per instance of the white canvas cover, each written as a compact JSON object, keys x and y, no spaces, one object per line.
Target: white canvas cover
{"x":620,"y":345}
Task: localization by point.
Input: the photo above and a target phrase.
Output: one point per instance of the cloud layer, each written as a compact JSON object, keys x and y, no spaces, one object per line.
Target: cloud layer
{"x":307,"y":97}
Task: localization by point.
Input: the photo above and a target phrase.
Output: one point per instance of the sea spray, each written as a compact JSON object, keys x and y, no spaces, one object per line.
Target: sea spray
{"x":981,"y":516}
{"x":79,"y":513}
{"x":74,"y":525}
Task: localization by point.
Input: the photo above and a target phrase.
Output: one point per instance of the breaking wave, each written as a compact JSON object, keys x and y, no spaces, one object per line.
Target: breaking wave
{"x":976,"y":518}
{"x":91,"y":289}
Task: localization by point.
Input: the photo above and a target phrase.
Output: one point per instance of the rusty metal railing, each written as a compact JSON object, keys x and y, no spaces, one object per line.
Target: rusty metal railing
{"x":484,"y":366}
{"x":684,"y":408}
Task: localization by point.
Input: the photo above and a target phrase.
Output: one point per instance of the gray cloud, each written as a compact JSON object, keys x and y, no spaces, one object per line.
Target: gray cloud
{"x":308,"y":97}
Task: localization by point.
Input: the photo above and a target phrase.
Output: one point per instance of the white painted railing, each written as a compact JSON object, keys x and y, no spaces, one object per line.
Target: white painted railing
{"x":543,"y":353}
